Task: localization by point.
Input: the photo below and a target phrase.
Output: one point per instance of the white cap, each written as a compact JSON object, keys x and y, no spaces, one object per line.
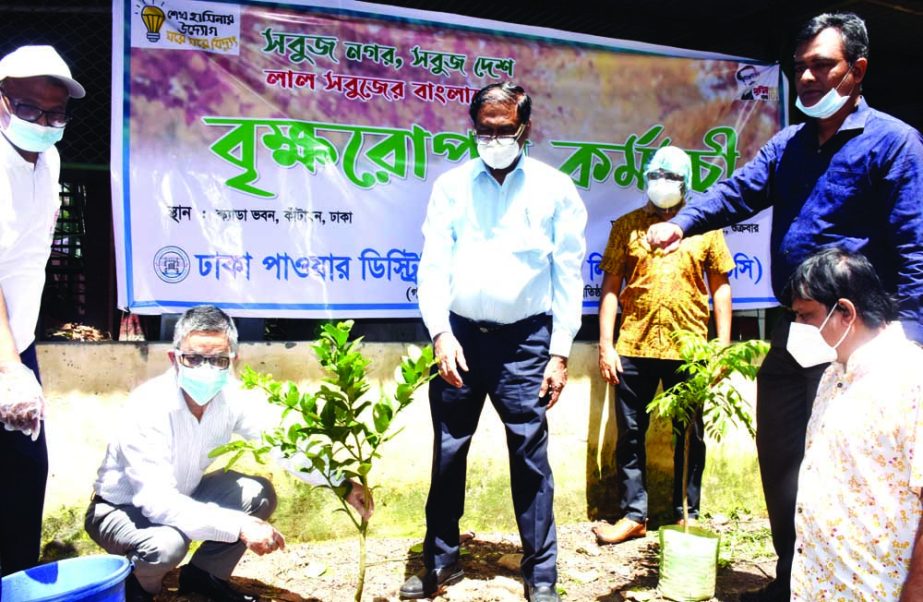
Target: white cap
{"x":38,"y":61}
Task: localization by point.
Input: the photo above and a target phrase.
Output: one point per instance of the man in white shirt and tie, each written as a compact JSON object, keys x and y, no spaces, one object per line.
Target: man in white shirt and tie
{"x":500,"y":292}
{"x":152,"y":496}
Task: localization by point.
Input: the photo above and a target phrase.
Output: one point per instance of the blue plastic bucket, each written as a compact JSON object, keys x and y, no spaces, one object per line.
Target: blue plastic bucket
{"x":88,"y":578}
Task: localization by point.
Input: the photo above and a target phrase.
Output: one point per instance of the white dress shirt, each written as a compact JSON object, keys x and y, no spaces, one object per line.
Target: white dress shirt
{"x":503,"y":253}
{"x":29,"y":204}
{"x":161,"y":453}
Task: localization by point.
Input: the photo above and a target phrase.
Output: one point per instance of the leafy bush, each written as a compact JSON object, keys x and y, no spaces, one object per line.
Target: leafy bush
{"x":707,"y":366}
{"x":336,"y":430}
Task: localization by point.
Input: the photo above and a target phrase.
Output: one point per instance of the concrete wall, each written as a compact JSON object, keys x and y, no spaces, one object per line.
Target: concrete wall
{"x":86,"y":385}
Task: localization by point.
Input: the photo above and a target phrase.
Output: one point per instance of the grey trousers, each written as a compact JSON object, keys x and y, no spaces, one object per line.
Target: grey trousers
{"x":155,"y":550}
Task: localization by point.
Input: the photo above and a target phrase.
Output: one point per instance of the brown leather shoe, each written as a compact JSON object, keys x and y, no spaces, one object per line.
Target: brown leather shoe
{"x":692,"y":523}
{"x":623,"y":530}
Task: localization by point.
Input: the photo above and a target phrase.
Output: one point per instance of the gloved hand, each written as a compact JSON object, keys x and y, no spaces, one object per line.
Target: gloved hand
{"x":22,"y":404}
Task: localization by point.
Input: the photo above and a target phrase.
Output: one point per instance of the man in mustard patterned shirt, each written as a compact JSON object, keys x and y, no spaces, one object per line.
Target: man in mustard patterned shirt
{"x":858,"y":510}
{"x":663,"y":294}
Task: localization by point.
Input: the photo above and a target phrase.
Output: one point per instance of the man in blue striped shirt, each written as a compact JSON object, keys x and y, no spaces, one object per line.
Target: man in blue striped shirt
{"x":501,"y":293}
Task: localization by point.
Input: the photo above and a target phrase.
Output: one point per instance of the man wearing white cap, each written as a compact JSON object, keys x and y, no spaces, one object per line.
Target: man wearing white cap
{"x":35,"y":86}
{"x":663,"y":294}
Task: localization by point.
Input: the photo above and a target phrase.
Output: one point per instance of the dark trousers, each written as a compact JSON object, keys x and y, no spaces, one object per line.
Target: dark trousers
{"x":507,"y":364}
{"x":637,"y":385}
{"x":784,"y":398}
{"x":24,"y":467}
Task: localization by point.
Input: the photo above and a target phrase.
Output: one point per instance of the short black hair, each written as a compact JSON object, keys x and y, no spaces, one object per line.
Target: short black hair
{"x":834,"y":273}
{"x":506,"y":92}
{"x":740,"y":78}
{"x":852,"y":31}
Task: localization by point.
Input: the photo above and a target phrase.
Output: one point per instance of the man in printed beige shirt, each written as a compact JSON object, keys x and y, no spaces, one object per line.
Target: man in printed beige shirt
{"x":858,"y":511}
{"x":663,"y":294}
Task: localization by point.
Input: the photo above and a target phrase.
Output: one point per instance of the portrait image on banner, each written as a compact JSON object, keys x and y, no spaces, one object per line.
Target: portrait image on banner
{"x":277,"y":159}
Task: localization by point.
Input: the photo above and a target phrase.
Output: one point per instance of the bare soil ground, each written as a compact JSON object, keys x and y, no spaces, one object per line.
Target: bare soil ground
{"x":326,"y":571}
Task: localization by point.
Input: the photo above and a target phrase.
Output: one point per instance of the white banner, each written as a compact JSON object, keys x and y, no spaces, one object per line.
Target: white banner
{"x":276,"y":160}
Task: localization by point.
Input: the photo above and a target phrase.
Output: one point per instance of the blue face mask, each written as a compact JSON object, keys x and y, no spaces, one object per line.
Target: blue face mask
{"x":32,"y":137}
{"x":828,"y":105}
{"x":202,"y":383}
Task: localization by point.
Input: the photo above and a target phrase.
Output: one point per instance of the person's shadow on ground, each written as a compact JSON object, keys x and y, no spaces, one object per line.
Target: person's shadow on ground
{"x":254,"y":587}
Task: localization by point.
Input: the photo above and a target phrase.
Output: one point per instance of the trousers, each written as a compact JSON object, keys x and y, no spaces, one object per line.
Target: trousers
{"x":507,"y":364}
{"x":24,"y":466}
{"x":637,"y":385}
{"x":154,"y":550}
{"x":784,"y":397}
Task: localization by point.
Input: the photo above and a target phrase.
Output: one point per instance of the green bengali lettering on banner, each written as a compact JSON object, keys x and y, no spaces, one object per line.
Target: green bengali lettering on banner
{"x":390,"y":154}
{"x":300,"y":145}
{"x":395,"y":152}
{"x":299,"y":47}
{"x":587,"y":160}
{"x":241,"y":138}
{"x":400,"y":152}
{"x":593,"y":161}
{"x":454,"y":146}
{"x":722,"y":142}
{"x":638,"y":151}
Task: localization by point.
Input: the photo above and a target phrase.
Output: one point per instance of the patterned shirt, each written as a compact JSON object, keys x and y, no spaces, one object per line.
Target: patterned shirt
{"x":663,"y":293}
{"x":859,"y":502}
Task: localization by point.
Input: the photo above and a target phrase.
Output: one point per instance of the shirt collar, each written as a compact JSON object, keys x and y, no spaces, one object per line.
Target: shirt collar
{"x":857,"y":119}
{"x":878,"y":349}
{"x":10,"y":157}
{"x":650,"y":210}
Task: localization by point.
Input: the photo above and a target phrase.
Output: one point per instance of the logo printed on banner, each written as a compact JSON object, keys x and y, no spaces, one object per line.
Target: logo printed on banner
{"x":186,"y":25}
{"x":171,"y":264}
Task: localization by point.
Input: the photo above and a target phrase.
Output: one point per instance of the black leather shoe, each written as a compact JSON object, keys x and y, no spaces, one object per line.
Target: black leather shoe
{"x":542,"y":593}
{"x":427,"y":582}
{"x":193,"y":580}
{"x":774,"y":592}
{"x":134,"y":592}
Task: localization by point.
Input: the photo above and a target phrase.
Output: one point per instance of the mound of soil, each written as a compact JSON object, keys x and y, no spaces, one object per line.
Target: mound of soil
{"x":326,"y":571}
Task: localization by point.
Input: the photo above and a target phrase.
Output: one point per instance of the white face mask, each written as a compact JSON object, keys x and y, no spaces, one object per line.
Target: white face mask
{"x":807,"y":345}
{"x":665,"y":193}
{"x":828,"y":105}
{"x":498,"y":156}
{"x":31,"y":137}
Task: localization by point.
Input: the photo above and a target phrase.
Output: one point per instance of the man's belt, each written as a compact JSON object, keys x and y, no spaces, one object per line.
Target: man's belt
{"x":490,"y":327}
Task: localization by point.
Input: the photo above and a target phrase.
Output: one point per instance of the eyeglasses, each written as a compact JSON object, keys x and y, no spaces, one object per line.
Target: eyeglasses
{"x":665,"y":175}
{"x":502,"y":139}
{"x":32,"y":113}
{"x":194,"y":360}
